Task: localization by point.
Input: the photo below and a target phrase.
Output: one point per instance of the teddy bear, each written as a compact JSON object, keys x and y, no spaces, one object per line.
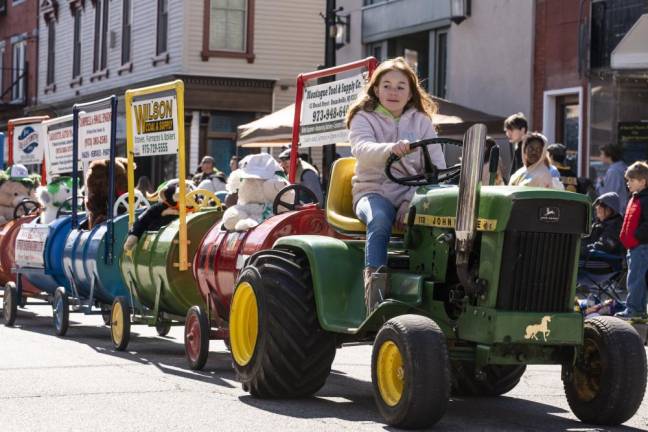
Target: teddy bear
{"x":164,"y":211}
{"x":53,"y":197}
{"x":258,"y":185}
{"x":16,"y":184}
{"x":96,"y":188}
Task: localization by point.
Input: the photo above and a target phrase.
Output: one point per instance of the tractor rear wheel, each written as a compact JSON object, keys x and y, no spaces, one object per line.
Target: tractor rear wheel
{"x":495,"y":381}
{"x":606,"y":384}
{"x":278,"y":346}
{"x":410,"y":372}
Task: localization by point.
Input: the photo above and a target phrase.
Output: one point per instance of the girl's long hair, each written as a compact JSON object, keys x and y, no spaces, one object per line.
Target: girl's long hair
{"x":368,"y":101}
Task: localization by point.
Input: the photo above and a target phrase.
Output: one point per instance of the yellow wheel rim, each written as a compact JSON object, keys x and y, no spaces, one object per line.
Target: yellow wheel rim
{"x":390,"y":373}
{"x":117,"y":327}
{"x":244,"y":323}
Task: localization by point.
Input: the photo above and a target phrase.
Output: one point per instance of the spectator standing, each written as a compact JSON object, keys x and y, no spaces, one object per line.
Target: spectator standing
{"x":516,"y":127}
{"x":490,"y":144}
{"x":557,"y":156}
{"x":209,"y":177}
{"x":233,"y":163}
{"x":614,"y":180}
{"x":306,"y":175}
{"x":634,"y":236}
{"x":535,"y":171}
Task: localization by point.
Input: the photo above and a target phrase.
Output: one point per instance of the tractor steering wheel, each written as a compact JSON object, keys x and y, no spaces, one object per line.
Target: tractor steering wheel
{"x":140,"y":201}
{"x":63,"y":212}
{"x":297,"y":188}
{"x":431,"y":174}
{"x":27,"y":205}
{"x":202,"y":198}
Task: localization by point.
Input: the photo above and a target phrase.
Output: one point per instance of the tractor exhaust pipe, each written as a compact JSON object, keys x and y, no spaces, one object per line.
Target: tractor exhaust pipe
{"x":468,"y":203}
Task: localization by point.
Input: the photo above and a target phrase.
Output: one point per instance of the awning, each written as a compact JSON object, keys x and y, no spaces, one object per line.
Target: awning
{"x":632,"y":51}
{"x":275,"y":130}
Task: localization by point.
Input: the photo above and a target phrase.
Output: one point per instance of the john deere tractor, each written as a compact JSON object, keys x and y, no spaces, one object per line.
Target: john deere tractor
{"x":482,"y":283}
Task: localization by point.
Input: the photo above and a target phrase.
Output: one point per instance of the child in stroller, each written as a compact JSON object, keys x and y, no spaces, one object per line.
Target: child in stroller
{"x":602,"y":269}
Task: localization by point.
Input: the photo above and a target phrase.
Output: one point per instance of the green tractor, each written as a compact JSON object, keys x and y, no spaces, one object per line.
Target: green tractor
{"x":481,"y":284}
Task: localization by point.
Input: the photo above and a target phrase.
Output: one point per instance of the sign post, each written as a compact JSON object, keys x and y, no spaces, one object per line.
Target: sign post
{"x":155,"y":126}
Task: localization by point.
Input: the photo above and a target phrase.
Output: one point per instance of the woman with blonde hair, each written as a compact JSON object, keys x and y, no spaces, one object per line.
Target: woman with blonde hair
{"x":393,"y":112}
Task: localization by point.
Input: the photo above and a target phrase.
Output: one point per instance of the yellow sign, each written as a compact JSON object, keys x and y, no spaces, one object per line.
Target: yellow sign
{"x":450,"y":222}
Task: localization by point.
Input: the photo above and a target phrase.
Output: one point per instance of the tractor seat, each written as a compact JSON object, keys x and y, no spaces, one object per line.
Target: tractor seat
{"x":339,"y":202}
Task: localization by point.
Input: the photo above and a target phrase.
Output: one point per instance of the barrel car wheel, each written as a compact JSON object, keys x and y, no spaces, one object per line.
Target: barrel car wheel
{"x":61,"y":312}
{"x":120,"y":323}
{"x":10,"y":304}
{"x":196,"y":337}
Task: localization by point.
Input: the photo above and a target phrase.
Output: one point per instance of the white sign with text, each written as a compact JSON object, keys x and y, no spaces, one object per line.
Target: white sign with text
{"x":324,"y":108}
{"x":155,"y":125}
{"x":28,"y":144}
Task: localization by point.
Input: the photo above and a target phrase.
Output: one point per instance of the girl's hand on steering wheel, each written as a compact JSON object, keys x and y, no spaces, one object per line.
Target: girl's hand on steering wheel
{"x":401,"y":148}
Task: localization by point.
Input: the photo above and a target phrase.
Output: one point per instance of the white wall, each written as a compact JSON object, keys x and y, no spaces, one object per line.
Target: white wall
{"x":490,"y":60}
{"x":143,"y":40}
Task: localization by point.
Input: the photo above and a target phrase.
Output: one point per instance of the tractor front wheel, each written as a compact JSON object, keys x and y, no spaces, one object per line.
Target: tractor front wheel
{"x":278,"y":346}
{"x":494,"y":381}
{"x":410,"y":372}
{"x":606,"y":384}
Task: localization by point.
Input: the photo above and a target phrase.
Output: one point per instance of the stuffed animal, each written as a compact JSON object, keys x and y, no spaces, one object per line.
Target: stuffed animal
{"x":53,"y":197}
{"x":258,"y":185}
{"x":164,"y":211}
{"x":96,"y":188}
{"x":16,"y":184}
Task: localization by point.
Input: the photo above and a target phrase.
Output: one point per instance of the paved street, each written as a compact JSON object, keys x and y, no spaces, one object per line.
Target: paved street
{"x":80,"y":383}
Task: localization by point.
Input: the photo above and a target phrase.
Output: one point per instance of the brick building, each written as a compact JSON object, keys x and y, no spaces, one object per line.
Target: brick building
{"x":590,"y":78}
{"x":18,"y":57}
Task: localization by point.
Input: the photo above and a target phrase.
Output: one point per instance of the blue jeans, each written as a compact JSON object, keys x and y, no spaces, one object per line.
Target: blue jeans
{"x":378,"y":213}
{"x":637,"y":269}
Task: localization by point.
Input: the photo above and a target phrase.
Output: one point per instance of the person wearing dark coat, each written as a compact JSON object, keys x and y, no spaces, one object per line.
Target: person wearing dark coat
{"x":606,"y":229}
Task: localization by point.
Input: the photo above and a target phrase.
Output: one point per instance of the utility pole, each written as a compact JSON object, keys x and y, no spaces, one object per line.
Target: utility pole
{"x":329,"y":61}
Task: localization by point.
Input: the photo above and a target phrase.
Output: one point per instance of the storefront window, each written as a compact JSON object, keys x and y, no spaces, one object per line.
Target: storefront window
{"x":618,"y":111}
{"x":221,"y":138}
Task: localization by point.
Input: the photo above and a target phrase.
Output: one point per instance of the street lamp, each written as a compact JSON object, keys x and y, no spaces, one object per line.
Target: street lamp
{"x":342,"y":30}
{"x":459,"y":10}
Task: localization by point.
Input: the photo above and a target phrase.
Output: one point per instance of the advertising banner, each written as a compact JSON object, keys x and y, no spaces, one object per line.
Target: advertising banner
{"x":323,"y":110}
{"x":155,"y":124}
{"x":94,"y":135}
{"x":30,"y":245}
{"x":58,"y":139}
{"x":28,"y":144}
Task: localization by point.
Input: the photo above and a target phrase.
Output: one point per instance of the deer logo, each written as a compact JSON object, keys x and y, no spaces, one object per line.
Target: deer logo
{"x":542,"y":328}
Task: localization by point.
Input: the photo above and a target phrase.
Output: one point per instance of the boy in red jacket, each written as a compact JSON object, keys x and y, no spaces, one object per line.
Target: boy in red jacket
{"x":634,"y":236}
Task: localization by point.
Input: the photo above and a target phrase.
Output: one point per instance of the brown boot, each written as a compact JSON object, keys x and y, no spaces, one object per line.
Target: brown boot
{"x":376,"y":285}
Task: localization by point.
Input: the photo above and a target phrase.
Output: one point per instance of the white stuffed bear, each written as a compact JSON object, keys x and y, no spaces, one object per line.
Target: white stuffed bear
{"x":258,"y":184}
{"x":54,"y":196}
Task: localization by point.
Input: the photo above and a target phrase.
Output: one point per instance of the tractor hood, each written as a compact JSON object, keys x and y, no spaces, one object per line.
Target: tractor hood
{"x":504,"y":208}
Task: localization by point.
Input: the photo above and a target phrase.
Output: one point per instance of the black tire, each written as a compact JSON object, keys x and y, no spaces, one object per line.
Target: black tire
{"x":105,"y":314}
{"x":120,"y":323}
{"x":292,"y":354}
{"x":497,"y":379}
{"x":425,"y":372}
{"x":196,"y":338}
{"x":10,"y":304}
{"x":162,"y":328}
{"x":606,"y":384}
{"x":61,"y":312}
